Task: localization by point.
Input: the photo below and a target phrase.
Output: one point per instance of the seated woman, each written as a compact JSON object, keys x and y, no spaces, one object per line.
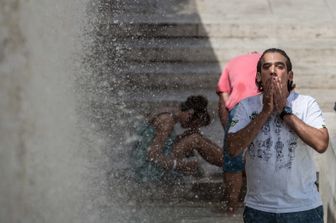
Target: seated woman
{"x":160,"y":154}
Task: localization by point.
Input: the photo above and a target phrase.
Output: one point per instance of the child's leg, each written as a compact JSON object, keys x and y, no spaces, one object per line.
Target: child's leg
{"x":205,"y":147}
{"x":232,"y":183}
{"x":233,"y":180}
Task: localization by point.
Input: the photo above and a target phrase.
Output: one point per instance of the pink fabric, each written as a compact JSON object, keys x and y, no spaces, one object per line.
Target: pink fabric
{"x":238,"y":79}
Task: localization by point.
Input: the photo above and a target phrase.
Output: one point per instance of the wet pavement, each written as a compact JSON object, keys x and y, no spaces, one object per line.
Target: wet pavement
{"x":194,"y":201}
{"x":186,"y":212}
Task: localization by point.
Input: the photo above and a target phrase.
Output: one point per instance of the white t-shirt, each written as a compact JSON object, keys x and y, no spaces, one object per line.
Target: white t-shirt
{"x":279,"y":166}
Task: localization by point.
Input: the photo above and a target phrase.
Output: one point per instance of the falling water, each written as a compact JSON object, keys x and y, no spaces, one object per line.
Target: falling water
{"x":53,"y":165}
{"x":66,"y":125}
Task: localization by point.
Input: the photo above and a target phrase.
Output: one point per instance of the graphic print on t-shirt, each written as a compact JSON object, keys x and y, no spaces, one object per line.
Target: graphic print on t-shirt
{"x":278,"y":125}
{"x":266,"y":128}
{"x":264,"y":148}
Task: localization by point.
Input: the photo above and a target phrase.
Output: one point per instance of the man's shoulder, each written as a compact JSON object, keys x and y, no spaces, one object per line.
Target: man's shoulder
{"x":251,"y":104}
{"x":295,"y":96}
{"x":301,"y":103}
{"x":255,"y":99}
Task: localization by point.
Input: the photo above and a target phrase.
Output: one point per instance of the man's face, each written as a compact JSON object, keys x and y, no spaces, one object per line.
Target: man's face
{"x":274,"y":66}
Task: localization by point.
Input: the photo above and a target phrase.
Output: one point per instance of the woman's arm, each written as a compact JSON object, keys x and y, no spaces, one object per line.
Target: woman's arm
{"x":164,"y":125}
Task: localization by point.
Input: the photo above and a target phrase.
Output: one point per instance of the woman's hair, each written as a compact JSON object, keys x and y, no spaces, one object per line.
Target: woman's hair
{"x":290,"y":85}
{"x":199,"y":105}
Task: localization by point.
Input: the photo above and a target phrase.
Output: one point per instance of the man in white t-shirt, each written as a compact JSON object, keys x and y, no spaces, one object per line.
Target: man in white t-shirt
{"x":281,"y":130}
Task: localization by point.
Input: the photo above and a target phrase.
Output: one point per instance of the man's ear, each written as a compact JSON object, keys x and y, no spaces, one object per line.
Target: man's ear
{"x":290,"y":75}
{"x":258,"y":77}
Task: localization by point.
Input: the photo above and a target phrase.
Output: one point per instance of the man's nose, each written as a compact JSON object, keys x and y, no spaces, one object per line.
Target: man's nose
{"x":272,"y":69}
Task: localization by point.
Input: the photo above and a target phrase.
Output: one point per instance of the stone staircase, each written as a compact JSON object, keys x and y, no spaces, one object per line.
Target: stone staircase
{"x":181,"y":46}
{"x":172,"y":49}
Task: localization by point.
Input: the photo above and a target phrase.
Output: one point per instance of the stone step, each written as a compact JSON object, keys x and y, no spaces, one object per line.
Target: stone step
{"x":222,"y":49}
{"x":299,"y":10}
{"x":209,"y":11}
{"x":319,"y":76}
{"x":206,"y":75}
{"x":134,"y":6}
{"x":173,"y":75}
{"x":182,"y":25}
{"x":152,"y":98}
{"x":145,"y":8}
{"x":255,"y":9}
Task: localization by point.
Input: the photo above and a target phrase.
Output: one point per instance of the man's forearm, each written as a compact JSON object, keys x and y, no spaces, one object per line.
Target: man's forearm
{"x":236,"y":142}
{"x":223,"y":113}
{"x":318,"y":139}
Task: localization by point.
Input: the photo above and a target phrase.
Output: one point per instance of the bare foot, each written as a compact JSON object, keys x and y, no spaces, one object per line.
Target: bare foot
{"x":230,"y":211}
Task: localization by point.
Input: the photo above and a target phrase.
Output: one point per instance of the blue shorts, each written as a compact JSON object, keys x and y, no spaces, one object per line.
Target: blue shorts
{"x":232,"y":164}
{"x":310,"y":216}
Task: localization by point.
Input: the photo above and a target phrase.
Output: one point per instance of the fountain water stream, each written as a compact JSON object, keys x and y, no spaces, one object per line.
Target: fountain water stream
{"x":53,"y":165}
